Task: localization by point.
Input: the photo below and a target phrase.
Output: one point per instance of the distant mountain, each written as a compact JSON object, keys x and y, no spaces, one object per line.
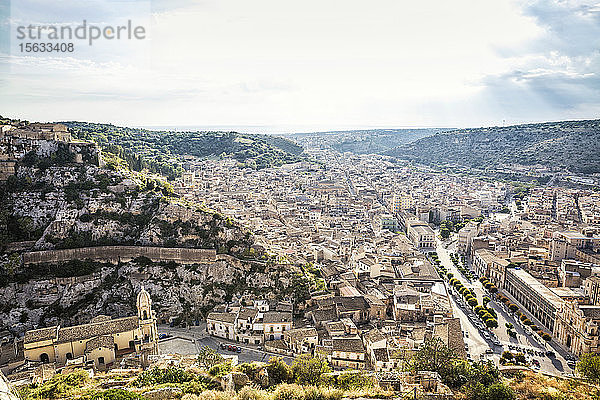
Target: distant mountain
{"x":370,"y":141}
{"x":571,"y":146}
{"x":164,"y":151}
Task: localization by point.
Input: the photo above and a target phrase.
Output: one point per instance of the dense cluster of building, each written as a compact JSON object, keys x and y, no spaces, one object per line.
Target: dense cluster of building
{"x":545,"y":258}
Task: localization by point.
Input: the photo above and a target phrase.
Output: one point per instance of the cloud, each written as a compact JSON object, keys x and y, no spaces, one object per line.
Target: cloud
{"x":351,"y":62}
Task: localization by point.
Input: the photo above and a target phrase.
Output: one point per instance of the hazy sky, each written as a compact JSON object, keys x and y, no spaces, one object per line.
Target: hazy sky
{"x":309,"y":64}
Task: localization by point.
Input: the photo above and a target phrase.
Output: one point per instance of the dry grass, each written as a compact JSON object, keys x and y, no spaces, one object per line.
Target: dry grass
{"x":537,"y":386}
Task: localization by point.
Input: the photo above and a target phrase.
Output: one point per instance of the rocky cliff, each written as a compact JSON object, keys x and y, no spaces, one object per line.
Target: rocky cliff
{"x":58,"y":201}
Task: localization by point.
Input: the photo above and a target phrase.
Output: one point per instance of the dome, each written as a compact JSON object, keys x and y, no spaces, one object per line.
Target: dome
{"x":143,"y":299}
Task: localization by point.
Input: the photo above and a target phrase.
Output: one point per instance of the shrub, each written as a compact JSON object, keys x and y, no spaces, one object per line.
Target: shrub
{"x":349,"y":380}
{"x":157,"y":376}
{"x":61,"y":385}
{"x":279,"y":371}
{"x":308,"y":370}
{"x":252,"y":369}
{"x":116,"y":394}
{"x":288,"y":391}
{"x":513,"y":307}
{"x":220,"y":369}
{"x":249,"y":393}
{"x":210,"y":395}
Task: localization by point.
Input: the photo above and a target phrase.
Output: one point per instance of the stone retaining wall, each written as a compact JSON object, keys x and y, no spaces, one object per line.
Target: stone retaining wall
{"x":115,"y":254}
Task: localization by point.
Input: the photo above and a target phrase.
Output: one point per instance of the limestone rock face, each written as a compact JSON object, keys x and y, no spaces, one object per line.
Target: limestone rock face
{"x":179,"y":292}
{"x":54,"y":203}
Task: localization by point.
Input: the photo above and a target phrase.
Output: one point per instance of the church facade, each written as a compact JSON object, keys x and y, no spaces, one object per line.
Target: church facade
{"x":101,"y":340}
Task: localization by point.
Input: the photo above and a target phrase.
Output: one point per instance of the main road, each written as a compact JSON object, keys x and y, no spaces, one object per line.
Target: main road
{"x":524,"y":342}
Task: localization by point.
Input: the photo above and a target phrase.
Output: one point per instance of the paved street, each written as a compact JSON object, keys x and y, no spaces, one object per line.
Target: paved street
{"x":477,"y":345}
{"x":191,"y":340}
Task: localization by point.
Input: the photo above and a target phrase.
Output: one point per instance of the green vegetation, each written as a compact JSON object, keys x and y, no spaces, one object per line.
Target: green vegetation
{"x":589,"y":367}
{"x":474,"y":380}
{"x":568,"y":145}
{"x":60,"y":386}
{"x":163,"y":152}
{"x":367,"y":141}
{"x":44,"y":271}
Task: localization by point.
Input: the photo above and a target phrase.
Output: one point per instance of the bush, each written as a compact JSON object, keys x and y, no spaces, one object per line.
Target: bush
{"x":288,"y":392}
{"x":308,"y":370}
{"x":116,"y":394}
{"x":61,"y":385}
{"x":249,"y":393}
{"x":158,"y":376}
{"x":220,"y":369}
{"x":351,"y":380}
{"x":279,"y":371}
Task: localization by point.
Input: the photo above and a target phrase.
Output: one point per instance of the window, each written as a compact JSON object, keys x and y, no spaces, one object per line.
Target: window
{"x":100,"y":360}
{"x":44,"y":358}
{"x":69,"y":356}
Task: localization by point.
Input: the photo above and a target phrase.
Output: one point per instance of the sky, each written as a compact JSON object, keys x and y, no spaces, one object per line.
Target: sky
{"x":307,"y":65}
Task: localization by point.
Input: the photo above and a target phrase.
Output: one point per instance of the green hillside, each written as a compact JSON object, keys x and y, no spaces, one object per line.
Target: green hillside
{"x":163,"y":151}
{"x":571,"y":146}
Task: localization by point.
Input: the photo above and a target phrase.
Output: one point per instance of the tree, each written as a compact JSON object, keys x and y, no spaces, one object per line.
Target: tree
{"x":520,"y":358}
{"x":279,"y":371}
{"x":308,"y":370}
{"x":445,"y":233}
{"x":499,"y":391}
{"x":513,"y":307}
{"x":589,"y":367}
{"x":208,"y":357}
{"x":472,"y":301}
{"x":491,"y":323}
{"x":433,"y":355}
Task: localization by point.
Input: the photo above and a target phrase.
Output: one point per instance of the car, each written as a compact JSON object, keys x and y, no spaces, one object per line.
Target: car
{"x":162,"y":336}
{"x":238,"y":349}
{"x":230,"y":347}
{"x":489,"y":351}
{"x":572,"y":364}
{"x":222,"y":346}
{"x":466,"y":334}
{"x":550,"y":353}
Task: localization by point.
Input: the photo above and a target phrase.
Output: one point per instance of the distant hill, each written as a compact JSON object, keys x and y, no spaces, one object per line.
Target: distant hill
{"x":369,"y":141}
{"x":571,"y":146}
{"x":163,"y":151}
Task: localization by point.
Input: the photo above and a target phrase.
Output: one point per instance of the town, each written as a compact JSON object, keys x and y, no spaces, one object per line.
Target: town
{"x":391,"y":257}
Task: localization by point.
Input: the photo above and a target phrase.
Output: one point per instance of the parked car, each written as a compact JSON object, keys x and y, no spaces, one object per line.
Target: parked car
{"x":550,"y":354}
{"x":489,"y":351}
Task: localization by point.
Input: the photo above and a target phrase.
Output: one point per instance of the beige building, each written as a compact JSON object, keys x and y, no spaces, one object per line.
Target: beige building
{"x":276,"y":323}
{"x":102,"y":340}
{"x":576,"y":327}
{"x":421,"y":235}
{"x":221,"y":324}
{"x":347,"y":352}
{"x":488,"y":264}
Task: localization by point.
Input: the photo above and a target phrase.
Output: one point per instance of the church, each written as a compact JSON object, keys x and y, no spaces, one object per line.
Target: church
{"x":101,"y":340}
